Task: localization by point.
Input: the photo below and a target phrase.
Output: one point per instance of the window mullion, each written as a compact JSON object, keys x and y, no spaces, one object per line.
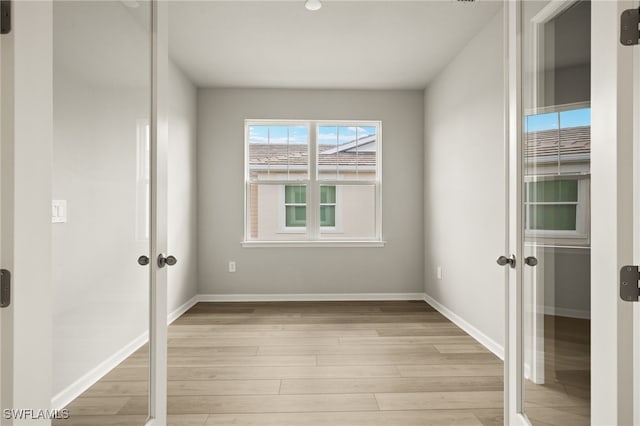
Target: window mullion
{"x":313,"y":190}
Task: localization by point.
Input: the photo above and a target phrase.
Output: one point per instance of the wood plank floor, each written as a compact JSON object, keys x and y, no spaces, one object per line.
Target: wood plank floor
{"x":320,"y":363}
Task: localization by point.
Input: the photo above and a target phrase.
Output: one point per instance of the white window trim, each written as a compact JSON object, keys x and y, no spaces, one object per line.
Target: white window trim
{"x":320,"y":243}
{"x":313,"y":236}
{"x":581,"y":235}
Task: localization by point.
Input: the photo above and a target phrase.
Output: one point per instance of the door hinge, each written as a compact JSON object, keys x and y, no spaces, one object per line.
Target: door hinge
{"x":5,"y":16}
{"x":5,"y":288}
{"x":629,"y":278}
{"x":629,"y":31}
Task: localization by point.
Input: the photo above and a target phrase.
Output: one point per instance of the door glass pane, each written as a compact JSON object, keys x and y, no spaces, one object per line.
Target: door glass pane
{"x":100,"y":213}
{"x":556,"y":165}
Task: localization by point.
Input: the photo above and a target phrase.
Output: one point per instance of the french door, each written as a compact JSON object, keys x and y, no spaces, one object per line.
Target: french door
{"x":84,"y":225}
{"x":572,"y":207}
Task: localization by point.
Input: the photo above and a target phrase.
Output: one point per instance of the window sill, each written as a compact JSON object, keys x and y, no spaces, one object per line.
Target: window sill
{"x":269,"y":244}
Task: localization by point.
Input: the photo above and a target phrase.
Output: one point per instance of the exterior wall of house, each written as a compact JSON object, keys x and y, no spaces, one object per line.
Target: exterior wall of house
{"x":355,"y":214}
{"x":465,"y":184}
{"x":355,"y":211}
{"x":395,"y":268}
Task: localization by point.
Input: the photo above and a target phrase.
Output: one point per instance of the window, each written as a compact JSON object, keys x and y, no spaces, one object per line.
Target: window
{"x":557,"y":148}
{"x":328,"y":206}
{"x":295,"y":206}
{"x":557,"y":208}
{"x":312,"y":182}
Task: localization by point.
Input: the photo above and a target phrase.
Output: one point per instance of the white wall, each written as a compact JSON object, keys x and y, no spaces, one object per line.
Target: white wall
{"x":464,"y":184}
{"x":182,"y":243}
{"x":101,"y":94}
{"x":396,"y":268}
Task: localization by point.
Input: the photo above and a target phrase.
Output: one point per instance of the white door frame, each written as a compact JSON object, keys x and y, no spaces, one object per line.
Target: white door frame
{"x":159,"y":205}
{"x":513,"y":365}
{"x":611,"y":219}
{"x":3,"y":83}
{"x":611,"y":215}
{"x":27,"y":140}
{"x":26,"y":155}
{"x":636,"y":228}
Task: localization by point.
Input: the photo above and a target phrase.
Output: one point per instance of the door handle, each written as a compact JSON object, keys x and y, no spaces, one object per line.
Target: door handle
{"x":504,"y":260}
{"x":531,"y":261}
{"x":169,"y":260}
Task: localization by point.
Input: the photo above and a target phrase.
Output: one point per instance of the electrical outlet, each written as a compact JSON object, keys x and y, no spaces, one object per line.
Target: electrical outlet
{"x":232,"y":266}
{"x":439,"y":272}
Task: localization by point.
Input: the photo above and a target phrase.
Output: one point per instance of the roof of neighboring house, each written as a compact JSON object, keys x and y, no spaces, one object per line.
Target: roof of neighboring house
{"x":297,"y":155}
{"x":573,"y":140}
{"x":363,"y":144}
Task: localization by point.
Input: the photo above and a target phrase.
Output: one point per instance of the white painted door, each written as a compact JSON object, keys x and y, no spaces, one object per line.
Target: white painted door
{"x":535,"y":388}
{"x":547,"y":378}
{"x":109,"y":181}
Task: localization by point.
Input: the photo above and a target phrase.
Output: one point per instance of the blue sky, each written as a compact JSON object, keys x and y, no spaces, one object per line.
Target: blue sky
{"x":300,"y":134}
{"x":554,"y":120}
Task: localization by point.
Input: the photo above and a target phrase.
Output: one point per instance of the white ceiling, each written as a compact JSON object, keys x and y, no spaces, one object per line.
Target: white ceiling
{"x":346,"y":44}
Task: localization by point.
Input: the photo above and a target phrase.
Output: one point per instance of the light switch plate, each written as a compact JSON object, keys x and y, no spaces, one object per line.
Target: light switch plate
{"x":59,"y":211}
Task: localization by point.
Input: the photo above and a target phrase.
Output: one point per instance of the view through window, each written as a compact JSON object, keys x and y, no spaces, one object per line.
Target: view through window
{"x":312,"y":181}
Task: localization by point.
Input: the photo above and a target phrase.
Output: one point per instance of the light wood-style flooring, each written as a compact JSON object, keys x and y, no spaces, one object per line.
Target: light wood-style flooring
{"x":312,"y":364}
{"x":567,"y":359}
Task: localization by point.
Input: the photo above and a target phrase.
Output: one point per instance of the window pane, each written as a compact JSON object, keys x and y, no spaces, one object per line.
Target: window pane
{"x":278,"y":152}
{"x":328,"y":216}
{"x":575,"y":118}
{"x":552,"y":217}
{"x":553,"y":191}
{"x":347,"y":152}
{"x":269,"y":219}
{"x":327,"y":195}
{"x":539,"y":122}
{"x":354,"y":214}
{"x":295,"y":194}
{"x":296,"y":216}
{"x":557,"y":142}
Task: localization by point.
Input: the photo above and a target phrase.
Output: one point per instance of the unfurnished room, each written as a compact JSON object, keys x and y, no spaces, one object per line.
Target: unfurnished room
{"x":319,"y":212}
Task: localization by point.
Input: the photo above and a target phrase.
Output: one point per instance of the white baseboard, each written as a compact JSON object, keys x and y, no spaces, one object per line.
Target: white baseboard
{"x":482,"y":338}
{"x":74,"y":390}
{"x":307,"y":297}
{"x":177,"y":313}
{"x":567,"y":312}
